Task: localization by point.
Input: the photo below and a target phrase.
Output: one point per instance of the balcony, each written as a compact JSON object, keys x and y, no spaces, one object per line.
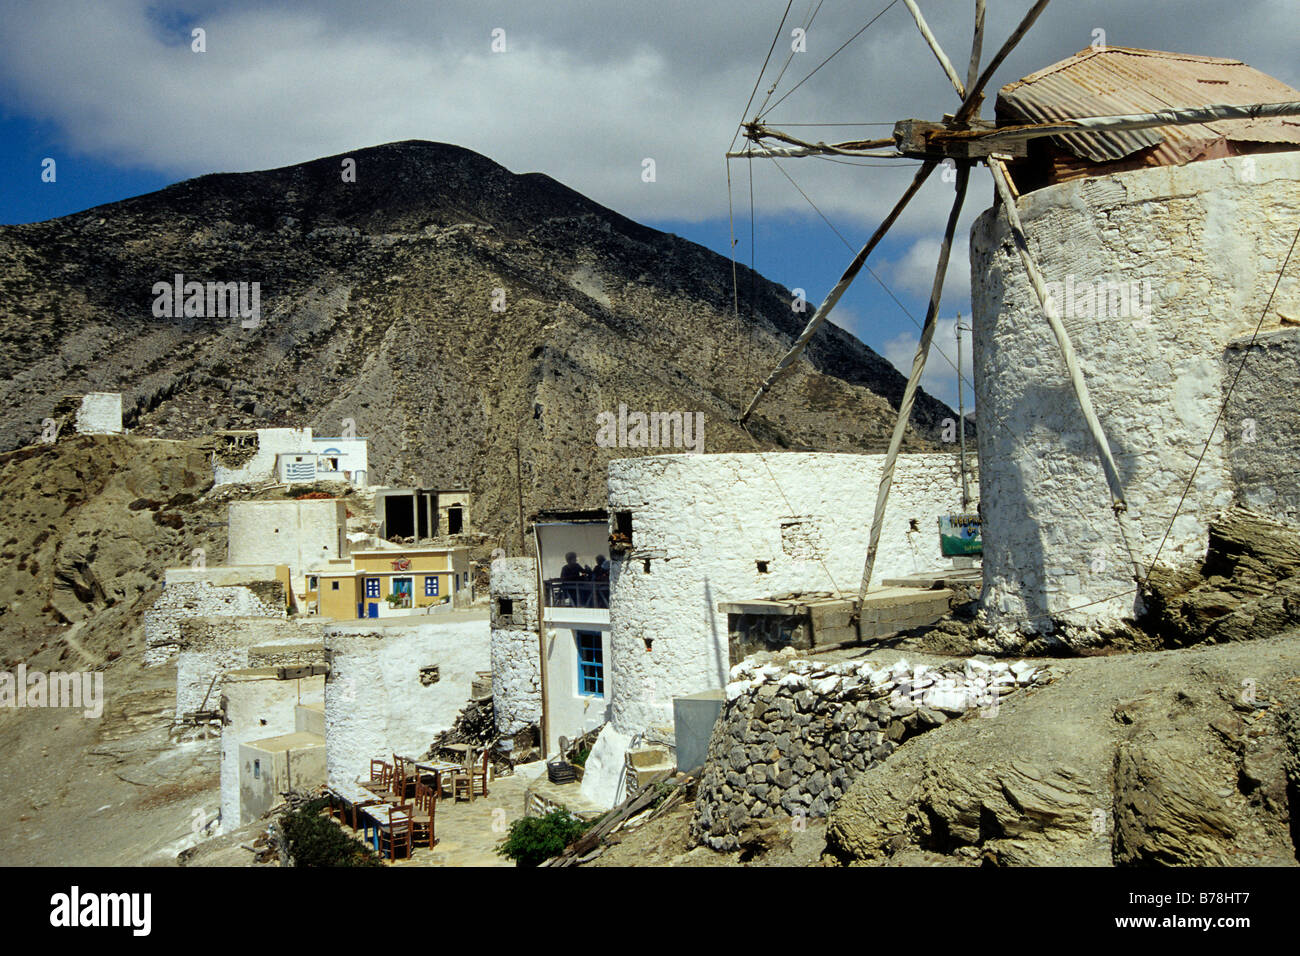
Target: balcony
{"x":577,"y":594}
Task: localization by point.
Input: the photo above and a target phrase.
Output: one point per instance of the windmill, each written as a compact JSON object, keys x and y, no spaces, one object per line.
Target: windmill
{"x":961,"y":139}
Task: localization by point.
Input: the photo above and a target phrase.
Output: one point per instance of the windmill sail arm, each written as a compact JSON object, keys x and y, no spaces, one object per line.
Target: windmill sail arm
{"x":757,"y":132}
{"x":795,"y":152}
{"x":851,"y":273}
{"x":913,"y":383}
{"x":975,"y":92}
{"x":1173,"y":117}
{"x":937,"y":50}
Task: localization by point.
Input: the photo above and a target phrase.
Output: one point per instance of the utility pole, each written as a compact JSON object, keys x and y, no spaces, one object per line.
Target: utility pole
{"x":519,"y":489}
{"x":961,"y":420}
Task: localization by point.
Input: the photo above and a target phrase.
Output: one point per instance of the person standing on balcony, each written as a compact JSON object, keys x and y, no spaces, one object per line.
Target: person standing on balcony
{"x":570,"y":577}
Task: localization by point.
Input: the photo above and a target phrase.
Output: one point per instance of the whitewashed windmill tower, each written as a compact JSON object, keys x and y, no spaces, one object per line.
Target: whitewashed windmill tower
{"x":1060,"y":387}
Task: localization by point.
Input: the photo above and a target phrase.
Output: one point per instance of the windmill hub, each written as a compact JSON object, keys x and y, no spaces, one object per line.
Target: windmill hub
{"x":921,"y":139}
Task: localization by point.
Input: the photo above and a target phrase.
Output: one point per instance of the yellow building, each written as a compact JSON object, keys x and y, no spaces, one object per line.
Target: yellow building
{"x":389,"y":583}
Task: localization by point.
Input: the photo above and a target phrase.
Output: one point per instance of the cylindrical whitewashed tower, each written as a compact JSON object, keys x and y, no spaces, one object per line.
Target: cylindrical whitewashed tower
{"x":1159,"y":274}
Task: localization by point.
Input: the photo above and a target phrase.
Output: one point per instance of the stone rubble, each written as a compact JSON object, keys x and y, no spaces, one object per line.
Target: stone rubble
{"x":795,"y":734}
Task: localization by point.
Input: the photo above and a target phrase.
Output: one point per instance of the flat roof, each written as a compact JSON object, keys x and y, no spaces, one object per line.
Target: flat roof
{"x":295,"y":741}
{"x":399,"y":551}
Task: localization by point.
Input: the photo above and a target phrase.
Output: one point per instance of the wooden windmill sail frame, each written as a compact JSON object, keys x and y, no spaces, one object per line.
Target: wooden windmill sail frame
{"x":963,"y":139}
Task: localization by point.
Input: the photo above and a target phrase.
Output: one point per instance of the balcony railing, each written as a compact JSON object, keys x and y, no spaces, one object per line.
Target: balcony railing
{"x":589,"y":594}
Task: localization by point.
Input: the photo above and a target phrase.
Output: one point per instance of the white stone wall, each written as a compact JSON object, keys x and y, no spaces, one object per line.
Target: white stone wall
{"x":704,"y":521}
{"x":352,"y":455}
{"x":375,"y":704}
{"x":1263,"y":421}
{"x":261,"y":467}
{"x":1210,"y":238}
{"x":516,"y":676}
{"x":258,"y":705}
{"x":568,"y":712}
{"x":189,"y":595}
{"x":100,"y":414}
{"x":300,"y":534}
{"x":208,"y":647}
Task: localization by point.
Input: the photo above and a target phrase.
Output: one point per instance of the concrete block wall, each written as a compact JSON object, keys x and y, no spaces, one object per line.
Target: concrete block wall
{"x":300,"y":534}
{"x":734,"y":527}
{"x":1209,"y":240}
{"x":100,"y":414}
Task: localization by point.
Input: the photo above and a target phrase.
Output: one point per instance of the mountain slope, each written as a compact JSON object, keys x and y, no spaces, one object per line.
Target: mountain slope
{"x":377,"y":306}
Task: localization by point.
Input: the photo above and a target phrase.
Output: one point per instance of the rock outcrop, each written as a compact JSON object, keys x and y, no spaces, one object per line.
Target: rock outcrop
{"x":1182,"y":757}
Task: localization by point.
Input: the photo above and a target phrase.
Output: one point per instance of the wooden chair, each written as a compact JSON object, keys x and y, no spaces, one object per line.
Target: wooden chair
{"x":381,"y":777}
{"x":403,"y":777}
{"x":397,"y":835}
{"x":472,"y":781}
{"x":478,"y":776}
{"x":423,"y":812}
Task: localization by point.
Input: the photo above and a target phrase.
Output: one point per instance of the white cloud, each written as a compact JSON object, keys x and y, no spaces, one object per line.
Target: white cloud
{"x":584,"y":92}
{"x":940,"y":375}
{"x":914,"y":271}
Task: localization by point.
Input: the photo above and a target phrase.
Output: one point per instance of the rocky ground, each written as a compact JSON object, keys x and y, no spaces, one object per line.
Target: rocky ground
{"x":109,"y":792}
{"x":1180,"y":757}
{"x":87,"y":527}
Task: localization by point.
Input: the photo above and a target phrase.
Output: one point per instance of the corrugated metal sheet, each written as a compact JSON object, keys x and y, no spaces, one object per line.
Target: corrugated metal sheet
{"x":1118,"y":80}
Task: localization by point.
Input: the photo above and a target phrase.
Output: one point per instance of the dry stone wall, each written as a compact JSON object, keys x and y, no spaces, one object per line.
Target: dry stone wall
{"x":185,"y":600}
{"x":794,"y":735}
{"x":208,"y":647}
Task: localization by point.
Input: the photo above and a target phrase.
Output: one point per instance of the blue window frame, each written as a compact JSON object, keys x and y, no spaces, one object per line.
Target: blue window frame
{"x":431,"y":585}
{"x":372,"y":587}
{"x":591,"y":666}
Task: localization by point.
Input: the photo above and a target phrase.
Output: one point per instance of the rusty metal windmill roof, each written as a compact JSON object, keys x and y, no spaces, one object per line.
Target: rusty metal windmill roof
{"x":1119,"y":80}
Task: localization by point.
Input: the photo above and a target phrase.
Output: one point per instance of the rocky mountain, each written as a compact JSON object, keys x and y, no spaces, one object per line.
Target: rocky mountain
{"x":459,"y":314}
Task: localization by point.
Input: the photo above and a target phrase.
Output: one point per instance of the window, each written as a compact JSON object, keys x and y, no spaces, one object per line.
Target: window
{"x":431,"y":585}
{"x":334,"y":585}
{"x":311,"y":583}
{"x":506,"y":607}
{"x":372,"y":587}
{"x":591,"y":668}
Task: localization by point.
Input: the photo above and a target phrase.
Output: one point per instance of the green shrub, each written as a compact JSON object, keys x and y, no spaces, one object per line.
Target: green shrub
{"x":532,"y":840}
{"x":580,"y":758}
{"x":314,"y":840}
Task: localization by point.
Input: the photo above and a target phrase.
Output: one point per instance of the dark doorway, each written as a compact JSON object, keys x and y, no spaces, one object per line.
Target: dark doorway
{"x":399,"y":516}
{"x":453,"y":521}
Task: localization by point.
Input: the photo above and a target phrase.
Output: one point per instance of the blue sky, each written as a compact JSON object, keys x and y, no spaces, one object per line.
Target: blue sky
{"x":113,"y":91}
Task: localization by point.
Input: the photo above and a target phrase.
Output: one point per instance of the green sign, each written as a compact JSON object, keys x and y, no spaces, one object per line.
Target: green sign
{"x":959,"y":535}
